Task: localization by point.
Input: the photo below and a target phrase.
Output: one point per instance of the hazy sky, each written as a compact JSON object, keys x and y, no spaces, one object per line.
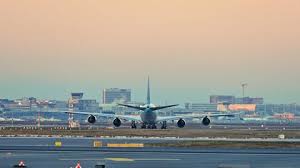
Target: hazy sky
{"x":190,"y":48}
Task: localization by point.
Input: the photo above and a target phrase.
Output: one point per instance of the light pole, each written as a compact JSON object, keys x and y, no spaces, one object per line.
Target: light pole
{"x":244,"y":85}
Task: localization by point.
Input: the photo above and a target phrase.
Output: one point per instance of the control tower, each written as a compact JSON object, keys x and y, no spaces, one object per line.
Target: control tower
{"x":72,"y":102}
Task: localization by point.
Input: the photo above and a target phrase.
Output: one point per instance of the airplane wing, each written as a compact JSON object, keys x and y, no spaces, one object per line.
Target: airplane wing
{"x":169,"y":118}
{"x":130,"y":106}
{"x":163,"y":107}
{"x":123,"y":117}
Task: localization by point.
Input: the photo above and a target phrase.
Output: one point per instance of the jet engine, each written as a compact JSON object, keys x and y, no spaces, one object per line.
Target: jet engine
{"x":206,"y":121}
{"x":181,"y":123}
{"x":117,"y":122}
{"x":92,"y":119}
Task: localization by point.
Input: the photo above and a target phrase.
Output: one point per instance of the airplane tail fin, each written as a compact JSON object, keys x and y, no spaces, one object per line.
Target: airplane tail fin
{"x":148,"y":102}
{"x":148,"y":92}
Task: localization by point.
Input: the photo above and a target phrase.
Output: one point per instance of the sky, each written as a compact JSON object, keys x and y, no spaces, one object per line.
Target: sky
{"x":190,"y":48}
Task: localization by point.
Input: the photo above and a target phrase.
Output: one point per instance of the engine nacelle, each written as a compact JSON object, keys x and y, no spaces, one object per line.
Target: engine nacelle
{"x":206,"y":121}
{"x":117,"y":122}
{"x":180,"y":123}
{"x":92,"y":119}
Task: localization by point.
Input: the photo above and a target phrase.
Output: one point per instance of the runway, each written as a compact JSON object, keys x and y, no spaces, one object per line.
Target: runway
{"x":40,"y":153}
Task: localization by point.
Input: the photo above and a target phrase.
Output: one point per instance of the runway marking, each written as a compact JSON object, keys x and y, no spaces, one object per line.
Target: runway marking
{"x":140,"y":159}
{"x":157,"y":159}
{"x":87,"y":159}
{"x":95,"y":159}
{"x":62,"y":153}
{"x":120,"y":159}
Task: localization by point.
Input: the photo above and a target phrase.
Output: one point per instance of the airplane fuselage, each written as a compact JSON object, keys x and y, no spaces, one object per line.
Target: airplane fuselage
{"x":148,"y":116}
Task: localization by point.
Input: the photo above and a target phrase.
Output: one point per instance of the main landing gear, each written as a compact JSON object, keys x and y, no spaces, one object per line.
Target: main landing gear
{"x":148,"y":126}
{"x":164,"y":125}
{"x":143,"y":126}
{"x":152,"y":126}
{"x":133,"y":125}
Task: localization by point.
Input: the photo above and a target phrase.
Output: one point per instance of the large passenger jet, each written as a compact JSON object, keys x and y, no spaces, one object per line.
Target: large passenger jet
{"x":148,"y":117}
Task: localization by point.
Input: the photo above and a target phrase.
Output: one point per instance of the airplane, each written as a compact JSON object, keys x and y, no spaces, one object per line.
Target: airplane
{"x":148,"y":116}
{"x":2,"y":107}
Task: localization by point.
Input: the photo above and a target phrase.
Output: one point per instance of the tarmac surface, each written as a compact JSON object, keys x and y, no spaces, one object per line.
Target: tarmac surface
{"x":41,"y":153}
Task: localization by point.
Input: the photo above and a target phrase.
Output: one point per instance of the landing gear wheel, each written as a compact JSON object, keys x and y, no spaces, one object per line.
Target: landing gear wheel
{"x":153,"y":126}
{"x":164,"y":125}
{"x":133,"y":125}
{"x":143,"y":126}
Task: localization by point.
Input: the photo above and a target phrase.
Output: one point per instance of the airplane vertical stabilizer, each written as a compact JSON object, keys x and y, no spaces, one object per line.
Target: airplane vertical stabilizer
{"x":148,"y":92}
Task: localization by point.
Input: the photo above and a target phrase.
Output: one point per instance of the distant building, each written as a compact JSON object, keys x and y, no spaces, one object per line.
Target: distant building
{"x":249,"y":100}
{"x":88,"y":105}
{"x":218,"y":99}
{"x":5,"y":103}
{"x":116,"y":95}
{"x":61,"y":104}
{"x":32,"y":100}
{"x":285,"y":116}
{"x":77,"y":103}
{"x":237,"y":107}
{"x":74,"y":100}
{"x":225,"y":99}
{"x":271,"y":109}
{"x":18,"y":104}
{"x":201,"y":107}
{"x":77,"y":96}
{"x":242,"y":107}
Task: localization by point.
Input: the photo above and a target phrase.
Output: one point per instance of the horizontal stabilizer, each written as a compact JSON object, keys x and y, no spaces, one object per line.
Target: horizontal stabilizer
{"x":133,"y":107}
{"x":163,"y":107}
